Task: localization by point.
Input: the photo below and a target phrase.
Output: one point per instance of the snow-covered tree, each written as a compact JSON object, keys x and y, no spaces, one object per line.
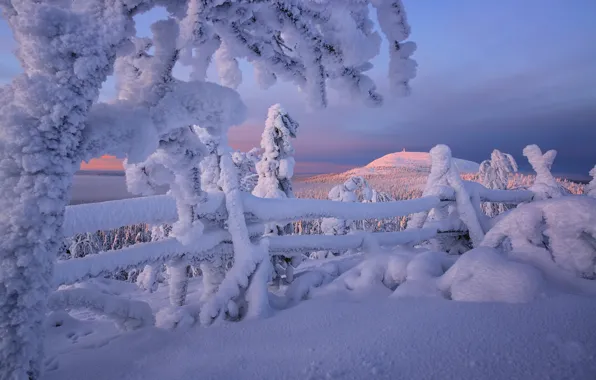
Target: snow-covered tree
{"x":545,"y":185}
{"x":495,"y":174}
{"x":246,"y":164}
{"x":276,"y":167}
{"x":591,"y":187}
{"x":345,"y":192}
{"x":83,"y":245}
{"x":444,"y":181}
{"x":540,"y":232}
{"x":50,"y":119}
{"x":275,"y":171}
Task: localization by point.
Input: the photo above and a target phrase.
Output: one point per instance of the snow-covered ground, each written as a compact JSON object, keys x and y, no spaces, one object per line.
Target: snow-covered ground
{"x":355,"y":327}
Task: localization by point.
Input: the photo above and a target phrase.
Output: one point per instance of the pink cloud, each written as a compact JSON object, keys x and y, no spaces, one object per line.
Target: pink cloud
{"x":103,"y":163}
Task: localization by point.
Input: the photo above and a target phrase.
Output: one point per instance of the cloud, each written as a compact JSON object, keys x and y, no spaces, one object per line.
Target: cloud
{"x":103,"y":163}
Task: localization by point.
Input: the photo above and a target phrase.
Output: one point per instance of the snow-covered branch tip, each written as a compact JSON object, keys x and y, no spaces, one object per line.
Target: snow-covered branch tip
{"x":315,"y":45}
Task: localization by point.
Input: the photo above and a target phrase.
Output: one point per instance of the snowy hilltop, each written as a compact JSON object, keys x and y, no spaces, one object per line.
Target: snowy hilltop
{"x":413,"y":160}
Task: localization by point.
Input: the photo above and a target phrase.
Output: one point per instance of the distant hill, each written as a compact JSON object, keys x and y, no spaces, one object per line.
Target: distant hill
{"x":401,"y":174}
{"x":414,"y":160}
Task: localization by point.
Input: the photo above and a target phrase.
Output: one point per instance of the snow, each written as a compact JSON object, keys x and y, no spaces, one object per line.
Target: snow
{"x":393,"y":309}
{"x":128,"y":314}
{"x":544,"y":230}
{"x":545,"y":186}
{"x":294,"y":209}
{"x":485,"y":275}
{"x":113,"y":214}
{"x":591,"y":188}
{"x":419,"y":160}
{"x":294,"y":244}
{"x":342,"y":338}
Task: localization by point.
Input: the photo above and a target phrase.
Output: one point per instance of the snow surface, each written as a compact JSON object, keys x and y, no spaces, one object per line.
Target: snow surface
{"x":331,"y":337}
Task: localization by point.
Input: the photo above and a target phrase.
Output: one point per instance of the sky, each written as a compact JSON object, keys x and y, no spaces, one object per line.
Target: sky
{"x":491,"y":74}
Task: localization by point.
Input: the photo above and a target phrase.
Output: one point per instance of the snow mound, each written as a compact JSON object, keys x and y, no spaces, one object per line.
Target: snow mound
{"x":418,"y":159}
{"x":485,"y":275}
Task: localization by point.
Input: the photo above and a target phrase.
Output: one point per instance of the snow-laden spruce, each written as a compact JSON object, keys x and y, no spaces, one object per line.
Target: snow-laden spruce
{"x":494,"y":174}
{"x":275,"y":171}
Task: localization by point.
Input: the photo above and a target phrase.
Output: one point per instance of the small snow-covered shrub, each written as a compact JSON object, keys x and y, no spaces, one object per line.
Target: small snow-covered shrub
{"x":486,"y":275}
{"x":591,"y":187}
{"x":275,"y":171}
{"x":561,"y":230}
{"x":545,"y":185}
{"x":494,"y":174}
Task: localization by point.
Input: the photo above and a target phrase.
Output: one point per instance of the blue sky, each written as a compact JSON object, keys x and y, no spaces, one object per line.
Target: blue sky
{"x":492,"y":74}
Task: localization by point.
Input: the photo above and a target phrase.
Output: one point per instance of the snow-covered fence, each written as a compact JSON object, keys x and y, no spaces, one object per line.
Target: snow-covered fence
{"x":258,"y":211}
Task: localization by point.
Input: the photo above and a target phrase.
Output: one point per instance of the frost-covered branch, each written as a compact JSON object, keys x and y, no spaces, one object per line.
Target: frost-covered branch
{"x":250,"y":260}
{"x":66,"y":50}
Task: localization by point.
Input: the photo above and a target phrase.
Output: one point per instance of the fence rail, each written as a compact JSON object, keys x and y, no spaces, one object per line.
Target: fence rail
{"x":162,"y":209}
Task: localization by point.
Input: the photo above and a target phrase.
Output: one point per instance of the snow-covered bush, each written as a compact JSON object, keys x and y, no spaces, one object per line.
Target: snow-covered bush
{"x":545,"y":186}
{"x":561,"y":230}
{"x":494,"y":174}
{"x":246,"y":164}
{"x":486,"y":275}
{"x":591,"y":188}
{"x":275,"y":171}
{"x":444,"y":181}
{"x":353,"y":190}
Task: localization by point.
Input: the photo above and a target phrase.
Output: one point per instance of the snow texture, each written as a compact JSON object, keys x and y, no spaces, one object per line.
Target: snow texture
{"x":113,"y":214}
{"x":128,"y":314}
{"x":338,"y":338}
{"x":295,"y":244}
{"x":486,"y":275}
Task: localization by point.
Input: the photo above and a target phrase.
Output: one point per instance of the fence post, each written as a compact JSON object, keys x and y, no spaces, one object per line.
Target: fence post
{"x":178,"y":281}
